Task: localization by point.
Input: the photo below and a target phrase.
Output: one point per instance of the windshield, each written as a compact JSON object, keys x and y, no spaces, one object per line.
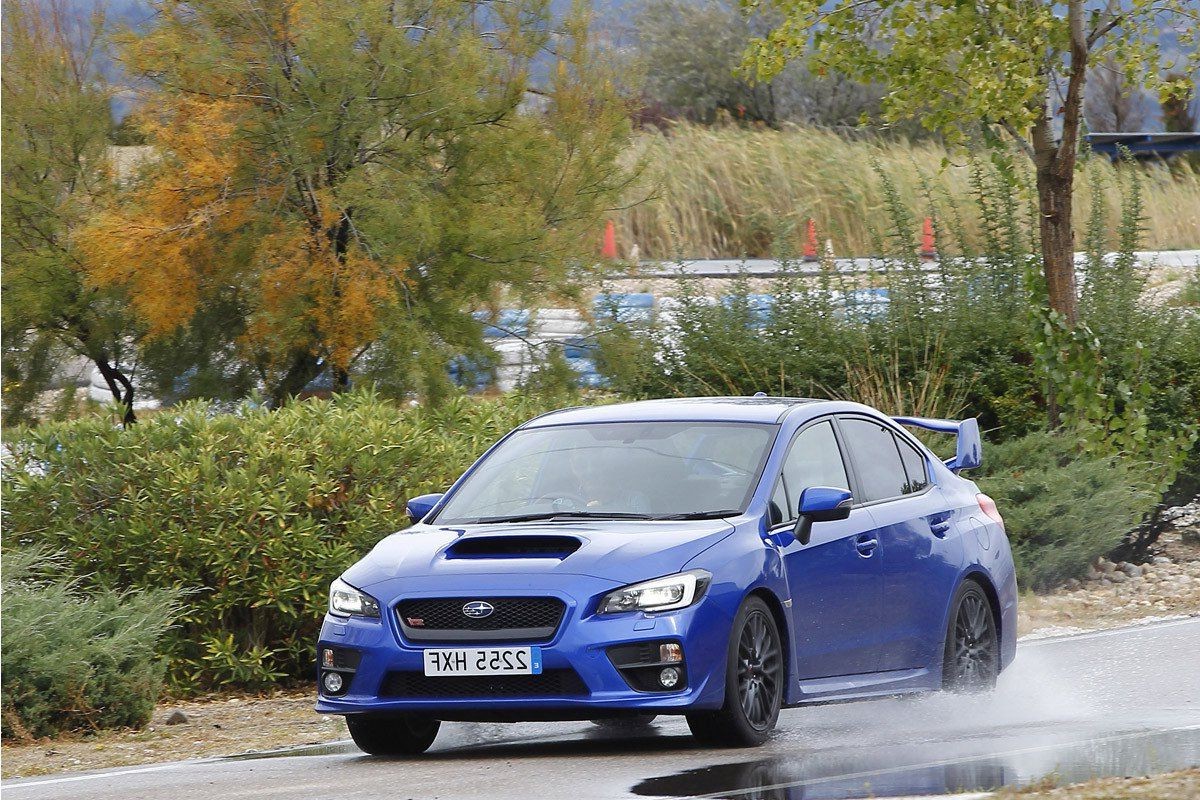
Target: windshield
{"x":636,"y":470}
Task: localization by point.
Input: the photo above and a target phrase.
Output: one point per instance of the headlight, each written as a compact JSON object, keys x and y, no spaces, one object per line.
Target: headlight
{"x":660,"y":594}
{"x":344,"y":600}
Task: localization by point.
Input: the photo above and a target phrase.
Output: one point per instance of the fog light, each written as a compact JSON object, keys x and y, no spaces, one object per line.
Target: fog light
{"x":668,"y":677}
{"x":333,"y":682}
{"x":670,"y":652}
{"x":327,"y":658}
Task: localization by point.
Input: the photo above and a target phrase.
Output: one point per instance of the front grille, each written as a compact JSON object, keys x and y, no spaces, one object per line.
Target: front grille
{"x":551,"y":683}
{"x":442,"y":619}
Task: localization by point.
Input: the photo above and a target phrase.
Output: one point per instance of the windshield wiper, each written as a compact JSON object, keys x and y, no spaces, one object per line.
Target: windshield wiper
{"x":566,"y":515}
{"x":725,"y":512}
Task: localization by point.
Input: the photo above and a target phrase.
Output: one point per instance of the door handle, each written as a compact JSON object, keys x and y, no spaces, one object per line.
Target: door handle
{"x":865,"y":545}
{"x":939,"y":524}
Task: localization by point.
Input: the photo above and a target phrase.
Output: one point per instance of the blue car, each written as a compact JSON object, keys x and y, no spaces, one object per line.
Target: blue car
{"x":720,"y":558}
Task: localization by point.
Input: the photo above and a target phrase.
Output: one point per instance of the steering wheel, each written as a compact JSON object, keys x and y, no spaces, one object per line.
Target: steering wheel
{"x":556,"y":500}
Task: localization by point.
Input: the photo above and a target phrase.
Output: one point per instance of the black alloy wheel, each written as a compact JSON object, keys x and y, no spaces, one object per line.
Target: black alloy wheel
{"x":753,"y":682}
{"x":758,"y":668}
{"x":971,"y":662}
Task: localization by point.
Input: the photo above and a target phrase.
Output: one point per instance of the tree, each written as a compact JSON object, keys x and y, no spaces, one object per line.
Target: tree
{"x":1111,"y":103}
{"x":698,"y":82}
{"x":1019,"y":67}
{"x":344,"y":177}
{"x":1180,"y":112}
{"x":56,"y":120}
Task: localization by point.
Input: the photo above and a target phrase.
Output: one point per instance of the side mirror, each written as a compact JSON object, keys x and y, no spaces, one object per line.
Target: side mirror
{"x":821,"y":504}
{"x":419,"y":507}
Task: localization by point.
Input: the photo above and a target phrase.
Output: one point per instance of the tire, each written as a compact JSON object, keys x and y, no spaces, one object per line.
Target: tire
{"x":755,"y":671}
{"x":971,"y":655}
{"x":392,"y":734}
{"x":624,"y":723}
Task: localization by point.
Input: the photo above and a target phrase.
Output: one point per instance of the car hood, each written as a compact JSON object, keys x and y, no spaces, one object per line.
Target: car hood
{"x":619,"y":551}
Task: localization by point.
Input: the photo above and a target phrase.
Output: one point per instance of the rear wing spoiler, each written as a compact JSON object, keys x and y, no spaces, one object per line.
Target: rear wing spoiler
{"x":969,"y":450}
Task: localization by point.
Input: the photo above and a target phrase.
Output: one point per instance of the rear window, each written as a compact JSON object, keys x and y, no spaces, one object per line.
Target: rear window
{"x":914,"y":467}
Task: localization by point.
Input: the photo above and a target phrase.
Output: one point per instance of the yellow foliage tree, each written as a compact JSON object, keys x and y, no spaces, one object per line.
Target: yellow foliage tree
{"x":344,"y":177}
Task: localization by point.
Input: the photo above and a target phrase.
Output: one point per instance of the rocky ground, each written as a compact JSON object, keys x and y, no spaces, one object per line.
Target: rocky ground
{"x":1166,"y":586}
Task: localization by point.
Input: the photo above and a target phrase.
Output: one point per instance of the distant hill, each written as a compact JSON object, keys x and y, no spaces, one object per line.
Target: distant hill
{"x":612,"y":25}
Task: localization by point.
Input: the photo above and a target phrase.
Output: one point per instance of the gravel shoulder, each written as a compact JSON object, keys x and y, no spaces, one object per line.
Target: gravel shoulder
{"x":1116,"y":595}
{"x":214,"y":727}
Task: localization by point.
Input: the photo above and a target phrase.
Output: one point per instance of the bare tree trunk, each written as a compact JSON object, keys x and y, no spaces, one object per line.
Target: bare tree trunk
{"x":304,"y":367}
{"x":1055,"y":193}
{"x":1054,"y":163}
{"x":120,"y":386}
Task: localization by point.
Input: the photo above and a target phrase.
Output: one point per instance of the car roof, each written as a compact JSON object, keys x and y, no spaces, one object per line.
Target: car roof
{"x":693,"y":409}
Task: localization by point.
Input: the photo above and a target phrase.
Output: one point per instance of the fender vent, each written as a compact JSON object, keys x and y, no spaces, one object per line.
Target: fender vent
{"x":518,"y":546}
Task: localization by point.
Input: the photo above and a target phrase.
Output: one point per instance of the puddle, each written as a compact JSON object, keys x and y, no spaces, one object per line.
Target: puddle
{"x":331,"y":749}
{"x":937,"y":770}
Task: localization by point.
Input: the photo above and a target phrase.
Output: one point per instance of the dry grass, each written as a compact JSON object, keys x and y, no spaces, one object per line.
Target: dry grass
{"x":1182,"y":785}
{"x":728,"y":192}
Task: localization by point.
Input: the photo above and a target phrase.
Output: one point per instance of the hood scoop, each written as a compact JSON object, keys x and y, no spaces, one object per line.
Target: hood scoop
{"x":514,"y":546}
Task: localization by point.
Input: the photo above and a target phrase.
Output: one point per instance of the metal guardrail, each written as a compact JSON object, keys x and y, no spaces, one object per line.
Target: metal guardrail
{"x":1144,"y":144}
{"x":767,"y":267}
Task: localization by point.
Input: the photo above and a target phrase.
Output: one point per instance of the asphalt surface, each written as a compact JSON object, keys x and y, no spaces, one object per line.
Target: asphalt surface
{"x":1112,"y":703}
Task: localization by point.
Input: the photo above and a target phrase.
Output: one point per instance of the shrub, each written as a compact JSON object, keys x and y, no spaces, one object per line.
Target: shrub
{"x":957,"y":336}
{"x":73,"y":660}
{"x":1062,"y":508}
{"x":253,"y":512}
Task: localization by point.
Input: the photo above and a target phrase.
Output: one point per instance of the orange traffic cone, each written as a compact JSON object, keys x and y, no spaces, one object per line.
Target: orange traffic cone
{"x":609,"y":248}
{"x":810,"y":242}
{"x":928,"y":251}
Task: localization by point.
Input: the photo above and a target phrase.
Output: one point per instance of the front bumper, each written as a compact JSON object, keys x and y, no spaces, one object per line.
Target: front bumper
{"x":581,"y":643}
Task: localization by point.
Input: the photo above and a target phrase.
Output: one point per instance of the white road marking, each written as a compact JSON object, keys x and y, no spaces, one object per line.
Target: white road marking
{"x":1123,"y":630}
{"x":8,"y":787}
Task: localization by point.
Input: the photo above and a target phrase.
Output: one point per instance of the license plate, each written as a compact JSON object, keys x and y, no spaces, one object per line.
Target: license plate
{"x":484,"y":661}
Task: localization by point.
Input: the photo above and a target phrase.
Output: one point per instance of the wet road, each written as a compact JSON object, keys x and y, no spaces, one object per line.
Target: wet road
{"x":1118,"y":702}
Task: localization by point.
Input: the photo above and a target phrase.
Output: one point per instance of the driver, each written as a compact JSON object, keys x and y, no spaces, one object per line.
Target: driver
{"x":597,"y":487}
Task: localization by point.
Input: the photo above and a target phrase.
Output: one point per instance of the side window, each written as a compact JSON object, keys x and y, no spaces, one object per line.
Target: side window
{"x":814,"y":459}
{"x":873,"y":448}
{"x":914,"y":467}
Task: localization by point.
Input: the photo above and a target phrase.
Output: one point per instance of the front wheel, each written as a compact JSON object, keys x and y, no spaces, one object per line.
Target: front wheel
{"x":971,"y":661}
{"x":392,"y":734}
{"x":754,"y":676}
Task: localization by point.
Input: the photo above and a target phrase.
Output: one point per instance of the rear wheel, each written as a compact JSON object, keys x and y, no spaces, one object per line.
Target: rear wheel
{"x":754,"y":676}
{"x":971,"y":662}
{"x":392,"y":734}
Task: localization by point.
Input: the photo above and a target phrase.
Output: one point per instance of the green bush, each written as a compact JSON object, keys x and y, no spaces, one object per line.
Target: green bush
{"x":74,"y":660}
{"x":1062,"y":508}
{"x":253,"y":513}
